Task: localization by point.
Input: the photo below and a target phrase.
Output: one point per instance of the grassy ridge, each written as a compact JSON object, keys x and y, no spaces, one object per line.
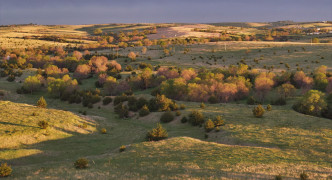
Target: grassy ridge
{"x":19,"y":127}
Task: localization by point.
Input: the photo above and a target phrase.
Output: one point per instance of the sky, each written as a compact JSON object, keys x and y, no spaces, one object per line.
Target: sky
{"x":161,"y":11}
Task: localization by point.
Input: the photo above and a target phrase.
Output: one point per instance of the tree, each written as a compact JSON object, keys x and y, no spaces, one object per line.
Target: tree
{"x":98,"y":63}
{"x":258,"y":111}
{"x":329,"y":86}
{"x":146,"y":76}
{"x":286,"y":90}
{"x":188,"y":74}
{"x":110,"y":85}
{"x":209,"y":125}
{"x":41,"y":102}
{"x":263,"y":85}
{"x":157,"y":133}
{"x":97,"y":31}
{"x":144,"y":49}
{"x":320,"y":81}
{"x":132,"y":56}
{"x":312,"y":103}
{"x":77,"y":55}
{"x":32,"y":83}
{"x":82,"y":71}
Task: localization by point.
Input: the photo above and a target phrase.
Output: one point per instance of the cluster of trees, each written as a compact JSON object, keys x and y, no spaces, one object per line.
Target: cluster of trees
{"x":144,"y":106}
{"x":237,"y":82}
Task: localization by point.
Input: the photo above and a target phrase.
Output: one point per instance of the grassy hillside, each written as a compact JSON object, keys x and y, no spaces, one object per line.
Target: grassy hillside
{"x":184,"y":157}
{"x":19,"y":127}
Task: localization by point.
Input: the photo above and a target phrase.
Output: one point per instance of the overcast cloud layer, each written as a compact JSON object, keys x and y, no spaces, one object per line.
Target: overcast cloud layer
{"x":161,"y":11}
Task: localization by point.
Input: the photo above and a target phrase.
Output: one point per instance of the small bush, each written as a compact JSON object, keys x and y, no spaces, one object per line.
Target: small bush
{"x":251,"y":101}
{"x":103,"y":131}
{"x":144,"y":111}
{"x":107,"y":100}
{"x":304,"y":176}
{"x":122,"y":148}
{"x":182,"y":106}
{"x":5,"y":170}
{"x":167,"y":117}
{"x":43,"y":124}
{"x":81,"y":163}
{"x":157,"y":133}
{"x":217,"y":129}
{"x":178,"y":113}
{"x":258,"y":111}
{"x":11,"y":78}
{"x":34,"y":114}
{"x":202,"y":105}
{"x":269,"y":107}
{"x":218,"y":121}
{"x":209,"y":125}
{"x":141,"y":102}
{"x":184,"y":119}
{"x":41,"y":102}
{"x":196,"y":118}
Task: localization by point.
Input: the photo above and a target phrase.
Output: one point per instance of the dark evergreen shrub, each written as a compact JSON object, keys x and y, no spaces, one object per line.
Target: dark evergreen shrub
{"x":167,"y":117}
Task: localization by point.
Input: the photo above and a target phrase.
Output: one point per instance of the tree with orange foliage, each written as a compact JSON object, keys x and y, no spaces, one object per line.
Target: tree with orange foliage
{"x":98,"y":63}
{"x":263,"y":85}
{"x":82,"y":71}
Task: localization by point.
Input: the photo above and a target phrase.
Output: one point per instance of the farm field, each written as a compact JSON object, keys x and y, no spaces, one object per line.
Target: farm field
{"x":94,"y":78}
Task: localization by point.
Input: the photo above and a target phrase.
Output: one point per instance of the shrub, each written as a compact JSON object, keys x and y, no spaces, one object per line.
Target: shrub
{"x":258,"y":111}
{"x":5,"y":170}
{"x":218,"y":121}
{"x":81,"y":163}
{"x":268,"y":107}
{"x":196,"y":118}
{"x":209,"y":125}
{"x":182,"y":106}
{"x":167,"y":117}
{"x":11,"y":78}
{"x":202,"y":105}
{"x":121,"y":110}
{"x":144,"y":111}
{"x":41,"y":102}
{"x":312,"y":103}
{"x":157,"y":133}
{"x":103,"y":131}
{"x":178,"y":113}
{"x":251,"y":100}
{"x":122,"y":148}
{"x":119,"y":99}
{"x":184,"y":119}
{"x":141,"y":102}
{"x":43,"y":124}
{"x":304,"y":176}
{"x":213,"y":99}
{"x":107,"y":100}
{"x":217,"y":129}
